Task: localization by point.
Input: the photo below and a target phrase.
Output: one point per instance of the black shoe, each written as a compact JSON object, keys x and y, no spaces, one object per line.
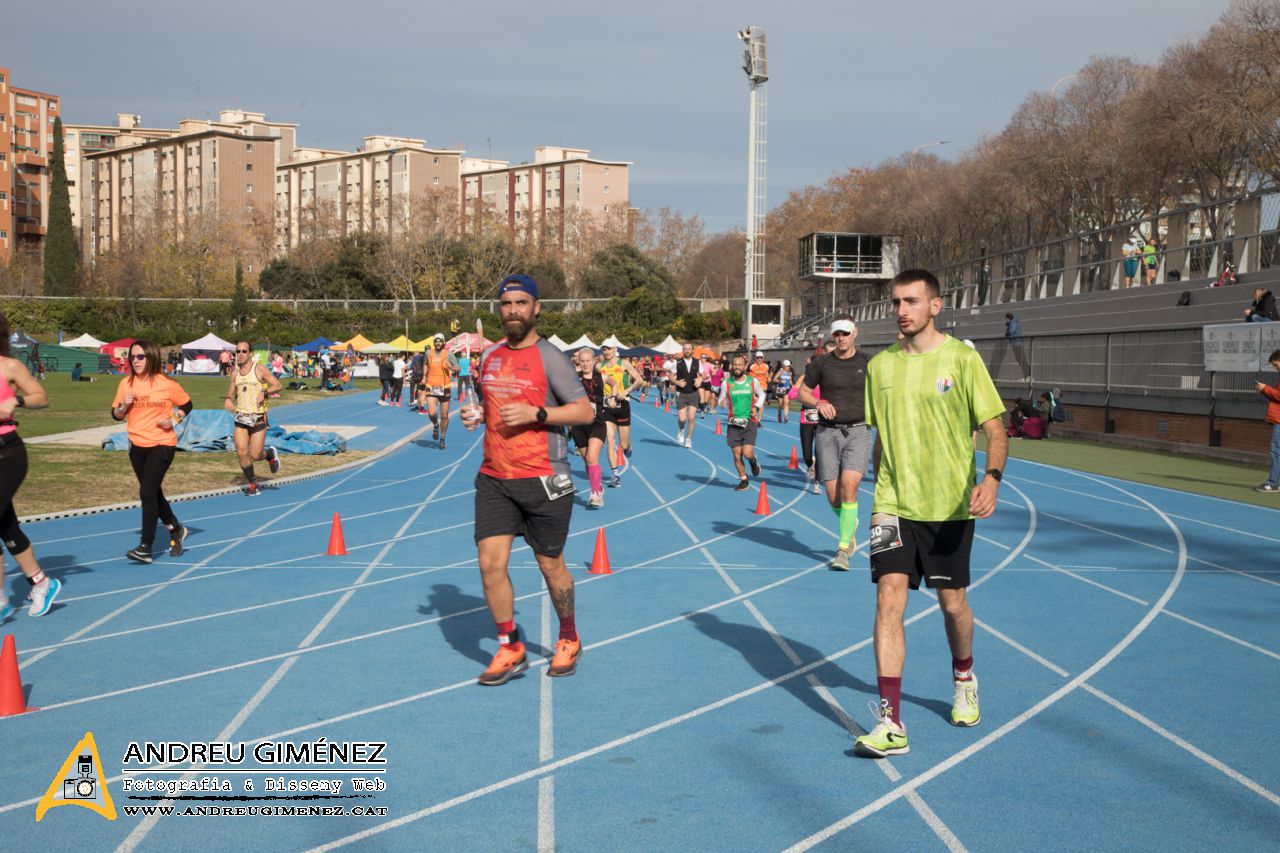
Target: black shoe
{"x":742,"y":486}
{"x":176,"y":538}
{"x":435,"y":432}
{"x":141,"y":554}
{"x":441,"y":444}
{"x":755,"y":467}
{"x":273,"y":460}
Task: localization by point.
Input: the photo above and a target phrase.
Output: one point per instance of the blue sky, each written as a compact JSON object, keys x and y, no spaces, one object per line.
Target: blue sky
{"x":658,"y":83}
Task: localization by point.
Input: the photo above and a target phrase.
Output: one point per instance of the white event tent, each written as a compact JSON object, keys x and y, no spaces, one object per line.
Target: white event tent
{"x":670,"y":345}
{"x":555,"y":341}
{"x":581,"y":342}
{"x":612,"y":341}
{"x":85,"y":341}
{"x":201,"y":356}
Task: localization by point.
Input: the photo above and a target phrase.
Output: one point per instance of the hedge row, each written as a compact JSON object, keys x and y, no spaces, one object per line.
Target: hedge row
{"x":172,"y":323}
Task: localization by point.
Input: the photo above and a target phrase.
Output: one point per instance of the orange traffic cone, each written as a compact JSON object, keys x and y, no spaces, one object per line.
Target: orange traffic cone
{"x":762,"y":505}
{"x":600,"y":559}
{"x":667,"y":407}
{"x":718,"y":430}
{"x":657,"y":403}
{"x":337,"y":547}
{"x":794,"y":464}
{"x":11,"y":699}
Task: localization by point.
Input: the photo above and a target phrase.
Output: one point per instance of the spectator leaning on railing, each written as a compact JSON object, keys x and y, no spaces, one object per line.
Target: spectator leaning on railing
{"x":1263,"y":309}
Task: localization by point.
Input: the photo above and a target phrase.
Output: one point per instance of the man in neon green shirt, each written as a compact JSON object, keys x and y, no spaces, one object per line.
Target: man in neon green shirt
{"x":925,"y":395}
{"x":744,"y":396}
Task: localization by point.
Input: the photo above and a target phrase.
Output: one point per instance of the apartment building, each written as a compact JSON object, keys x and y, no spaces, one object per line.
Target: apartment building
{"x":174,"y":182}
{"x":544,"y":196}
{"x":26,"y":144}
{"x":79,"y":140}
{"x":374,"y":189}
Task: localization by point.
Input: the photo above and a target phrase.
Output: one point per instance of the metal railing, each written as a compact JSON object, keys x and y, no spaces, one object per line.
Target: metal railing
{"x":1194,"y":242}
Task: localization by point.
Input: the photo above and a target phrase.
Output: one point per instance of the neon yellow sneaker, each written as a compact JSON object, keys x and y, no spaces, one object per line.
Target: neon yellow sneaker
{"x":964,"y":711}
{"x":887,"y":738}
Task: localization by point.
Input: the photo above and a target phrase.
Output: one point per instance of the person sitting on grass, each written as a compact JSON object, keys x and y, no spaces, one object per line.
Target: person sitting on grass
{"x":77,"y":374}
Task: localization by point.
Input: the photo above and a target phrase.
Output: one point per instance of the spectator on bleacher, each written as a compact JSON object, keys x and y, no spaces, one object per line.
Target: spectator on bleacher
{"x":1131,"y":261}
{"x":1013,"y":331}
{"x":1263,"y":309}
{"x":1273,"y":417}
{"x":1226,"y":277}
{"x":1151,"y":259}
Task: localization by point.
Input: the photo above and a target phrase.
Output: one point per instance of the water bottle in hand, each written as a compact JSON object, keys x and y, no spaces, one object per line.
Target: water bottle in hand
{"x":470,"y":410}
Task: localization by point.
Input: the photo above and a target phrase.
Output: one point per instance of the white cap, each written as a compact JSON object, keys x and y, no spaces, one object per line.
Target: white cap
{"x":843,"y":326}
{"x":759,"y":354}
{"x":786,"y":362}
{"x":439,"y":336}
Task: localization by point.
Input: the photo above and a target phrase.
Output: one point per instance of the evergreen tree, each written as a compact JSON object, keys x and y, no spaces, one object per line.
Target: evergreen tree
{"x":60,"y":241}
{"x":239,"y":300}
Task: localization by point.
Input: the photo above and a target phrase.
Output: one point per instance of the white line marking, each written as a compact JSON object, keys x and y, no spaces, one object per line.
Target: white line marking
{"x":1089,"y":581}
{"x":1009,"y":641}
{"x":1203,"y":627}
{"x":1197,"y":752}
{"x":938,"y":769}
{"x":546,"y":746}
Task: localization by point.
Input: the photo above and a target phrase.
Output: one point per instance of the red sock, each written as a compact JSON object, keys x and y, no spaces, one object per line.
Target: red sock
{"x":568,"y":630}
{"x":960,"y":669}
{"x":890,"y":694}
{"x":508,"y":634}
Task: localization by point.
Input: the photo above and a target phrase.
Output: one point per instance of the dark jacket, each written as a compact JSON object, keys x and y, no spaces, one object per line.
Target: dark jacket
{"x":689,"y":372}
{"x":1265,"y":307}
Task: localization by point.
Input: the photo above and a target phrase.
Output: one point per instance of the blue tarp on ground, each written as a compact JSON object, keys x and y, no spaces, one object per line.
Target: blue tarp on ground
{"x":210,"y":430}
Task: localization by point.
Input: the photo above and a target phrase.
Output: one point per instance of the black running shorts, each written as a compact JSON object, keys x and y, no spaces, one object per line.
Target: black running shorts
{"x":582,"y":433}
{"x":621,"y":414}
{"x":937,"y":551}
{"x":521,"y":508}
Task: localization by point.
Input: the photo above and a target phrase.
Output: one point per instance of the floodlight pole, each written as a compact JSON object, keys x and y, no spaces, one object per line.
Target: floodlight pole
{"x":756,"y":66}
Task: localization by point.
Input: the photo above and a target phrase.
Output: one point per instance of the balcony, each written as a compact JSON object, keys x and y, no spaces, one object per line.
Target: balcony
{"x":27,"y":225}
{"x":30,"y":158}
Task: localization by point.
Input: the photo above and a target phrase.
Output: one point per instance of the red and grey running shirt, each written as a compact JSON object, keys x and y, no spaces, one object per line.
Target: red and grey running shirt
{"x":539,"y":375}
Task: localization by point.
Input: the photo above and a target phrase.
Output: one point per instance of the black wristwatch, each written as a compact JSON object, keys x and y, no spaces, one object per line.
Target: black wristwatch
{"x":22,"y":402}
{"x":995,"y":474}
{"x":542,"y":415}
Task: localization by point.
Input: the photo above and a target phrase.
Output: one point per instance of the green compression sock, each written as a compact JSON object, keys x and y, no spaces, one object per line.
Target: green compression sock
{"x":848,"y":523}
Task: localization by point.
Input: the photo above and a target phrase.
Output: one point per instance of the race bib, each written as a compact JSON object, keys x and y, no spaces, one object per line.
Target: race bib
{"x":740,"y":423}
{"x":557,"y":485}
{"x":809,"y":416}
{"x":885,"y":533}
{"x":436,"y":391}
{"x":611,"y":402}
{"x":247,"y":419}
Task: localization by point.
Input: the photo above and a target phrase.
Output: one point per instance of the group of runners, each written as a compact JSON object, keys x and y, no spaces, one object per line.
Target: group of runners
{"x":923,"y":397}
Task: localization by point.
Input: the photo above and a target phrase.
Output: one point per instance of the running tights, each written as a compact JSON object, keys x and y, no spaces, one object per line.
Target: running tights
{"x":397,"y":386}
{"x":150,"y":464}
{"x":807,"y":432}
{"x":13,"y":470}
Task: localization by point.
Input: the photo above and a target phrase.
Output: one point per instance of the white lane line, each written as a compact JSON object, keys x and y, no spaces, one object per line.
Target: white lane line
{"x":1221,"y":767}
{"x":1089,"y":581}
{"x":546,"y":746}
{"x":1224,"y":635}
{"x":143,"y":829}
{"x":1218,"y":765}
{"x":938,"y":769}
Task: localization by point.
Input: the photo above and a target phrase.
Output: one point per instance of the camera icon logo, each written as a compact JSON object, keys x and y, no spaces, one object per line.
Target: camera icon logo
{"x":85,"y":785}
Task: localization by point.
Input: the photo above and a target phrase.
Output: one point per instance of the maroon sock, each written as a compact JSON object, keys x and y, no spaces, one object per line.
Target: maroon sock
{"x":508,"y":634}
{"x":960,"y":668}
{"x":890,"y":694}
{"x":568,"y":630}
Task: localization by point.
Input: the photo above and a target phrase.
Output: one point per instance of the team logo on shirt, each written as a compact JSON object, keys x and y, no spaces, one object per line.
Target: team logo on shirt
{"x":944,"y":384}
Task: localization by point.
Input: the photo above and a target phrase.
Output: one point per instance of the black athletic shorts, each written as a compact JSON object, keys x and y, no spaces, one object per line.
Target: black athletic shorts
{"x":621,"y":415}
{"x":522,"y":508}
{"x":937,"y":551}
{"x":582,"y":433}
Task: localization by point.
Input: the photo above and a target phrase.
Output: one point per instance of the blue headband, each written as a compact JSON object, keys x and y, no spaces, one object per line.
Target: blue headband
{"x":519,"y":282}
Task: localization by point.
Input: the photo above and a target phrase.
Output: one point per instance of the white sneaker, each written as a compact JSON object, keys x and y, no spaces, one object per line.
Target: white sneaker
{"x":42,"y":596}
{"x":680,"y":438}
{"x":964,"y":711}
{"x":596,"y":500}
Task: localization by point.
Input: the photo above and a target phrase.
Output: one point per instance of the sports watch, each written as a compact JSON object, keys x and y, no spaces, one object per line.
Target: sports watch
{"x":542,"y":415}
{"x":995,"y":474}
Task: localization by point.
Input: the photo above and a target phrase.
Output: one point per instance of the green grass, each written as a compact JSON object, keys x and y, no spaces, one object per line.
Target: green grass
{"x":1202,"y":476}
{"x":79,"y":405}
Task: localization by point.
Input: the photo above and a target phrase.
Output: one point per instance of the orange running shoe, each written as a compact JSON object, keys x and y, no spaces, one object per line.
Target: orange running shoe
{"x":509,"y":662}
{"x":566,"y":660}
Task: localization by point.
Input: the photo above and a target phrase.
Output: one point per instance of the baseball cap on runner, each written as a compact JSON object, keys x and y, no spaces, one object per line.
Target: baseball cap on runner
{"x":759,"y":354}
{"x":519,"y":282}
{"x":439,"y":336}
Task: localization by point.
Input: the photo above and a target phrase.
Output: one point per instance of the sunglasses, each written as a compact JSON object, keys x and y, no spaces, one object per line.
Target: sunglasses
{"x":245,"y":351}
{"x":138,"y":357}
{"x":840,"y":334}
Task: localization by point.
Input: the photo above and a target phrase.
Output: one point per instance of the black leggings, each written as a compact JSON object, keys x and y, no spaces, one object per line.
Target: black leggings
{"x":13,"y":470}
{"x":807,"y":432}
{"x":397,"y":387}
{"x":150,"y":465}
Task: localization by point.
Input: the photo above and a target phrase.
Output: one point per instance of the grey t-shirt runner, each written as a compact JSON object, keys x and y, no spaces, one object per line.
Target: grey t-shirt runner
{"x":843,"y":384}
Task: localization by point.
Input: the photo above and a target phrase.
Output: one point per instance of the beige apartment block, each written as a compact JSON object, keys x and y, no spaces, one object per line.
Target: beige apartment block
{"x":26,"y":144}
{"x":377,"y":189}
{"x":546,"y":196}
{"x":79,"y":140}
{"x":175,"y":183}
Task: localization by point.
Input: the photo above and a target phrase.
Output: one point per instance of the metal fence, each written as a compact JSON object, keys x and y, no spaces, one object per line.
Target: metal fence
{"x":1193,"y":242}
